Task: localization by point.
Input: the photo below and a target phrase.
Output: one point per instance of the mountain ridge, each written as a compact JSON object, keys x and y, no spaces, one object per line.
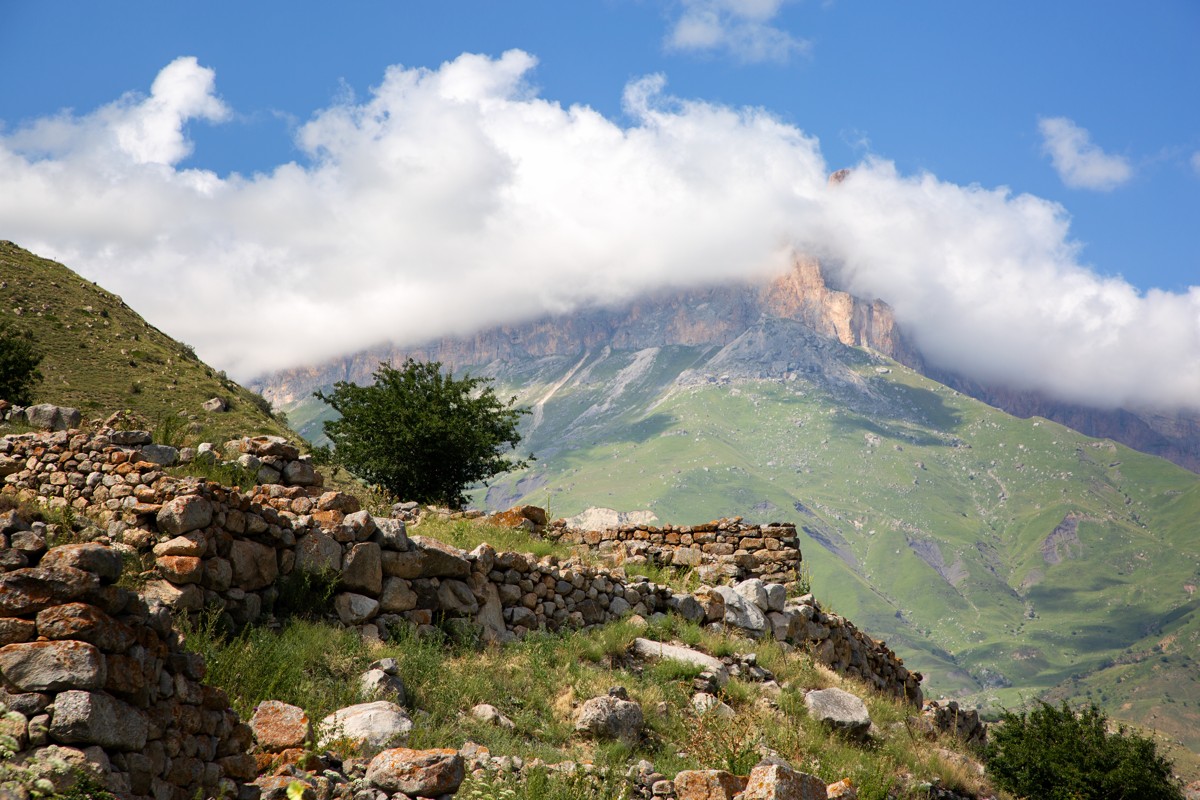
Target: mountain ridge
{"x":715,"y":315}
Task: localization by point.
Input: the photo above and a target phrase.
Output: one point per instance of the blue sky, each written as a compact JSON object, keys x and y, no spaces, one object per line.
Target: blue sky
{"x":1085,"y":112}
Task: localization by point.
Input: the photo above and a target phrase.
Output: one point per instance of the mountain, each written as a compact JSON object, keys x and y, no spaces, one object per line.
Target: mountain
{"x":1005,"y":558}
{"x":100,"y":356}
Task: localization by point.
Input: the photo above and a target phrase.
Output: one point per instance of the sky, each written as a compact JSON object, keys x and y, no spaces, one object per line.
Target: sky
{"x":280,"y":183}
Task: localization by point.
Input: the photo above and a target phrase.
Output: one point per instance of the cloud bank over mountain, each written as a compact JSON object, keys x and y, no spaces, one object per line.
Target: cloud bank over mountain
{"x":457,"y":198}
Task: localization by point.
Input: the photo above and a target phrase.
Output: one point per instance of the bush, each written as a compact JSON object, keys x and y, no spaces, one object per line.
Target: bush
{"x":420,"y":434}
{"x":19,"y":360}
{"x":1060,"y":754}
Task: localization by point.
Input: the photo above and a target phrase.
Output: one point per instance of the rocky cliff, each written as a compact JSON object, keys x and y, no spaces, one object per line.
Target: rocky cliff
{"x":710,"y":316}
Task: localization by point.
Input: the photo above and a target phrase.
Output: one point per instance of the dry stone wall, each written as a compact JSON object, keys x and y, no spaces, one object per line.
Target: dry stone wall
{"x":719,"y":551}
{"x":96,"y":676}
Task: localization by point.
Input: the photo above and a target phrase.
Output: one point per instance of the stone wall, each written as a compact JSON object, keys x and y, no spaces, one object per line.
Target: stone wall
{"x":96,"y":676}
{"x":201,"y":545}
{"x":719,"y":551}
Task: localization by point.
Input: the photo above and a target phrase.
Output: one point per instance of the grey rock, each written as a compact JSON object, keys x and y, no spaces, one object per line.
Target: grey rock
{"x":104,"y":561}
{"x":52,"y":666}
{"x":740,"y":612}
{"x":609,"y":717}
{"x":491,"y":715}
{"x":391,"y":534}
{"x":299,"y":473}
{"x":647,"y":648}
{"x":375,"y":725}
{"x":97,"y":718}
{"x":182,"y":514}
{"x":839,"y":709}
{"x":755,"y":591}
{"x":51,"y":417}
{"x":455,"y":597}
{"x":318,"y":552}
{"x":215,"y":405}
{"x":130,"y":438}
{"x":161,"y":454}
{"x":362,"y":569}
{"x":776,"y":596}
{"x":397,"y":596}
{"x":254,"y":565}
{"x":378,"y":684}
{"x":355,"y":609}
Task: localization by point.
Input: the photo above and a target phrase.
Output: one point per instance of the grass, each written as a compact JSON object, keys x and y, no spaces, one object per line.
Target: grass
{"x":538,"y":682}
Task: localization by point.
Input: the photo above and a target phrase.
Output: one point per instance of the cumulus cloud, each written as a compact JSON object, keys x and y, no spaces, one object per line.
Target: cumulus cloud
{"x":741,"y":27}
{"x":1080,"y":163}
{"x":456,"y":198}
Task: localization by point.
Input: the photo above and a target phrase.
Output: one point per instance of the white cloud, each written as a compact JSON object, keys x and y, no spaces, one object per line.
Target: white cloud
{"x":741,"y":27}
{"x":1079,"y":163}
{"x":456,"y":198}
{"x":1196,"y":161}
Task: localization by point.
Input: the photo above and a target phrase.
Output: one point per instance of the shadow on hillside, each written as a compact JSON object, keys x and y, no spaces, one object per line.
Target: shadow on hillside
{"x":649,"y":428}
{"x":844,"y":423}
{"x":917,"y":405}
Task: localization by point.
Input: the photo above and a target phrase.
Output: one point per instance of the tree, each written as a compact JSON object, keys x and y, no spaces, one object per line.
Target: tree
{"x":421,"y":434}
{"x":1060,"y":754}
{"x":19,"y":360}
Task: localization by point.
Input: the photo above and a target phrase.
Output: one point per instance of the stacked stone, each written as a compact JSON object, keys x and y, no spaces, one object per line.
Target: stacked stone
{"x":212,"y":546}
{"x":963,"y":723}
{"x":725,"y":549}
{"x":100,"y":678}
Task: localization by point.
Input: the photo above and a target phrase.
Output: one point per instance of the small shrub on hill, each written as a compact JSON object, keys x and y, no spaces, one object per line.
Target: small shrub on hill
{"x":1059,"y":754}
{"x":19,"y":360}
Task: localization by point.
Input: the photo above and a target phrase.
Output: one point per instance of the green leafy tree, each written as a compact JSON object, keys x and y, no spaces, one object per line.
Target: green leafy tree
{"x":1059,"y":754}
{"x":19,"y":361}
{"x":421,"y":434}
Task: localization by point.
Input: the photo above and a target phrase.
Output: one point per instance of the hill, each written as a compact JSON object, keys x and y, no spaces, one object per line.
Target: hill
{"x":100,"y":356}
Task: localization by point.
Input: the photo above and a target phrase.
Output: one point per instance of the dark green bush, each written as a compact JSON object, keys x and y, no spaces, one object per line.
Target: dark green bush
{"x":420,"y":434}
{"x":19,"y":361}
{"x":1059,"y":754}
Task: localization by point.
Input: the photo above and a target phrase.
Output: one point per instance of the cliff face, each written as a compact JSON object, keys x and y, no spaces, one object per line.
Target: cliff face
{"x":710,"y":316}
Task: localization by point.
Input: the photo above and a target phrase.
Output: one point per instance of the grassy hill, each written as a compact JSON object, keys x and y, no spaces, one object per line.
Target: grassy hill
{"x":1005,"y":558}
{"x":101,"y":357}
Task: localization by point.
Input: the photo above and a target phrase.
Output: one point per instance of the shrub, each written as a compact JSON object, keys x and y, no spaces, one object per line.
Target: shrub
{"x":420,"y":434}
{"x":19,"y":361}
{"x":1060,"y":754}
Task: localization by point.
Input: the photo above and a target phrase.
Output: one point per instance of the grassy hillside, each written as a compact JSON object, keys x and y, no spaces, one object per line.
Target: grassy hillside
{"x":101,"y":357}
{"x":1005,"y":558}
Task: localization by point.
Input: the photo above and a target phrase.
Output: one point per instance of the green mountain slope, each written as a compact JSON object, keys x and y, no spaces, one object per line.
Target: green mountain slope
{"x":1005,"y":558}
{"x":101,"y":357}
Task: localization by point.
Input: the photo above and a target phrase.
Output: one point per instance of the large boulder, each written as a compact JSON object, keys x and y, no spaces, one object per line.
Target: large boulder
{"x":50,"y":417}
{"x":417,"y":773}
{"x":773,"y":781}
{"x":611,"y":716}
{"x":254,"y":565}
{"x":362,"y":569}
{"x":279,"y":726}
{"x":844,"y":712}
{"x":377,"y":724}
